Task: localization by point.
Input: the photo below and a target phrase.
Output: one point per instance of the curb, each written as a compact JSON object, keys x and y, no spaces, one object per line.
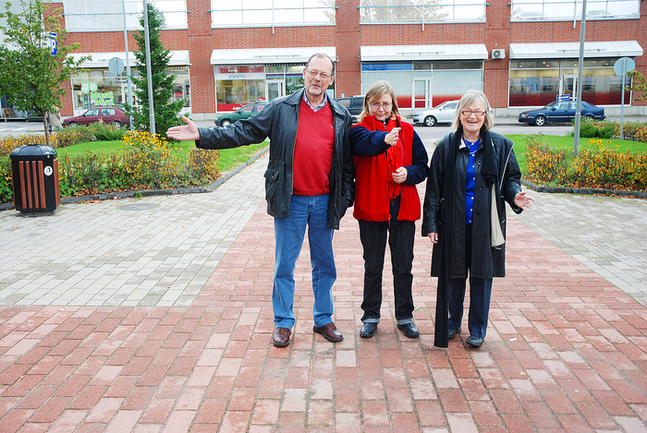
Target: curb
{"x":563,"y":190}
{"x":155,"y":192}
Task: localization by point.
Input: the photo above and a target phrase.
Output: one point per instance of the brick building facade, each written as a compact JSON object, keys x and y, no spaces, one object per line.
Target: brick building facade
{"x":348,"y":37}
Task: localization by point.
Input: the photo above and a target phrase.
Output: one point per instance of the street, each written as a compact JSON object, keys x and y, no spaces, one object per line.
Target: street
{"x":502,"y":125}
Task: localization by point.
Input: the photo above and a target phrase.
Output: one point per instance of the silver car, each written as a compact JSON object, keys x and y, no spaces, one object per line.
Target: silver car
{"x":443,"y":113}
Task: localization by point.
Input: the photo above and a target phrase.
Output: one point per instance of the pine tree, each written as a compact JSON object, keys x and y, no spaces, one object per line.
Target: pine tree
{"x":165,"y":109}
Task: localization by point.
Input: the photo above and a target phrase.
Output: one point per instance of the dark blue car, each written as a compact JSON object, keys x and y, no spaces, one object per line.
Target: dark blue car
{"x":561,"y":111}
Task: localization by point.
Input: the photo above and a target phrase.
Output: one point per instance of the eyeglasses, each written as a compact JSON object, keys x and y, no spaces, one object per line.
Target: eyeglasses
{"x":376,"y":106}
{"x":468,"y":113}
{"x":323,"y":75}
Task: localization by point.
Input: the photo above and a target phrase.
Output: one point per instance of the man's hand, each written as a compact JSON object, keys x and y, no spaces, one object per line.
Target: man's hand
{"x":186,"y":132}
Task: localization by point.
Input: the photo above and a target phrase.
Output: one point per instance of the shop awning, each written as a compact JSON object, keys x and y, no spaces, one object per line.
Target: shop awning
{"x":390,"y":53}
{"x":571,"y":50}
{"x":100,"y":60}
{"x":260,"y":56}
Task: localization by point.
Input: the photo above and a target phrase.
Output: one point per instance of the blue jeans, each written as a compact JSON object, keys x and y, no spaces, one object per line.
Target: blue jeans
{"x":289,"y":233}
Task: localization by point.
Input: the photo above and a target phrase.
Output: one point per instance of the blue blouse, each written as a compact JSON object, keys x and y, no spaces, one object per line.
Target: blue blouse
{"x":470,"y":180}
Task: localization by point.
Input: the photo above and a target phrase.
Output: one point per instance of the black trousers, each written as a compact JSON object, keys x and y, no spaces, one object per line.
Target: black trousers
{"x":373,"y":236}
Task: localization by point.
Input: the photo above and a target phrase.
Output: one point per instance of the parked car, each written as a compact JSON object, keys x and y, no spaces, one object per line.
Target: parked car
{"x":561,"y":111}
{"x":353,"y":104}
{"x":243,"y":112}
{"x":442,"y":113}
{"x":112,"y":115}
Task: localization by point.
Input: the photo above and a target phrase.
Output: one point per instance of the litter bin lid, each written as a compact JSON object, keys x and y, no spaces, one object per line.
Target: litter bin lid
{"x":33,"y":151}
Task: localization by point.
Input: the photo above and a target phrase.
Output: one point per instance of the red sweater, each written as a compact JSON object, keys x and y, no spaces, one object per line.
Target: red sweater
{"x":374,"y":185}
{"x":313,"y":151}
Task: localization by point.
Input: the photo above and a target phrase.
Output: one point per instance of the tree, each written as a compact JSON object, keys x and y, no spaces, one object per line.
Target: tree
{"x":638,"y":84}
{"x":165,"y":110}
{"x":30,"y":75}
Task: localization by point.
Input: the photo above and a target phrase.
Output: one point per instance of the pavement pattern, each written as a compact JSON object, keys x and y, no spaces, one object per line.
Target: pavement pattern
{"x":154,"y":315}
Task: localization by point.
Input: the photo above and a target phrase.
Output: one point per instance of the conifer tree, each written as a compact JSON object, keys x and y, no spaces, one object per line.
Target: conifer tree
{"x":165,"y":109}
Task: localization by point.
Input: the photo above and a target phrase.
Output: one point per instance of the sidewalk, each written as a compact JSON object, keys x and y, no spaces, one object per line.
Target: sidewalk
{"x":154,"y":315}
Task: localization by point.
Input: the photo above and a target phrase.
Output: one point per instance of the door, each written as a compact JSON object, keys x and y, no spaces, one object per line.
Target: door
{"x":274,"y":89}
{"x":568,"y":86}
{"x":422,"y":93}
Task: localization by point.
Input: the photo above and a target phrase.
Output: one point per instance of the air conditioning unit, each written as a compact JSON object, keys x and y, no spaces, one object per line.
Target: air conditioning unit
{"x":498,"y":54}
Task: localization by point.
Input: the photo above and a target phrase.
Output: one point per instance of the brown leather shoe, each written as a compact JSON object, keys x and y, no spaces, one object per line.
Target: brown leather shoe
{"x":330,"y":332}
{"x":281,"y":337}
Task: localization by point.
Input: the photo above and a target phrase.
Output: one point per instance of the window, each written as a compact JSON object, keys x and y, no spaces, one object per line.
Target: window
{"x":537,"y":83}
{"x":421,"y":11}
{"x":107,"y":15}
{"x":247,"y":13}
{"x":555,"y":10}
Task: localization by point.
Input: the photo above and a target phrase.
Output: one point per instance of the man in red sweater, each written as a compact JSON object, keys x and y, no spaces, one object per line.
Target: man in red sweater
{"x":309,"y":183}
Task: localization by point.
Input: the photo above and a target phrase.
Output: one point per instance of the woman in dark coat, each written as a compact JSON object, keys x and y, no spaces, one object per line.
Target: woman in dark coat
{"x":473,"y":172}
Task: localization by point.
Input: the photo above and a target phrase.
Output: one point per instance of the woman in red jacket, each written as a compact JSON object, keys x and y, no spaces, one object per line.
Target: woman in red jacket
{"x":390,"y":159}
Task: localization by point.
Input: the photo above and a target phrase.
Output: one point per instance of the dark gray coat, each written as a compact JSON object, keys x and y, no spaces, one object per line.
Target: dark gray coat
{"x":280,"y":121}
{"x":486,"y":262}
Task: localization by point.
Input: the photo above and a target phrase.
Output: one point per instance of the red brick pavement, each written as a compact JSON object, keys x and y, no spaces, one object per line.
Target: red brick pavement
{"x":565,"y":351}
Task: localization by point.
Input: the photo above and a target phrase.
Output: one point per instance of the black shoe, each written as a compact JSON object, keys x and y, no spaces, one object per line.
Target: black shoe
{"x":409,"y":330}
{"x":368,"y":330}
{"x":452,"y":332}
{"x":474,"y":341}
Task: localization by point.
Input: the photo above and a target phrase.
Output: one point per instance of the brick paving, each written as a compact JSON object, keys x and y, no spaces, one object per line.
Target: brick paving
{"x":566,"y":348}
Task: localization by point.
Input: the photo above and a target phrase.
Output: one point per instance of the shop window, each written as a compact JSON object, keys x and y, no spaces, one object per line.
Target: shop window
{"x":540,"y":86}
{"x":99,"y":87}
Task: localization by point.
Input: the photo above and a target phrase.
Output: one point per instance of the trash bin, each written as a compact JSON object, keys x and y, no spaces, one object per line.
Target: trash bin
{"x":34,"y":168}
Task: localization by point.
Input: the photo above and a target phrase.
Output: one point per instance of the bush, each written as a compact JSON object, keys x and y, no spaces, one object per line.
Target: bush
{"x":593,"y":167}
{"x":6,"y":186}
{"x":545,"y":165}
{"x":146,"y":162}
{"x":60,"y":139}
{"x":635,"y":131}
{"x":106,"y":131}
{"x":598,"y":129}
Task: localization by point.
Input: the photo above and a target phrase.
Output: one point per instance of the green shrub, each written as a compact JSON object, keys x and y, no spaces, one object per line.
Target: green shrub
{"x":62,"y":138}
{"x":598,"y":129}
{"x":634,"y":131}
{"x":106,"y":131}
{"x":6,"y":186}
{"x":144,"y":163}
{"x":593,"y":167}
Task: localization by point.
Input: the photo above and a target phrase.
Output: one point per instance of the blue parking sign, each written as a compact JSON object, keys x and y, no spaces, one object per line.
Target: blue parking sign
{"x":53,"y":43}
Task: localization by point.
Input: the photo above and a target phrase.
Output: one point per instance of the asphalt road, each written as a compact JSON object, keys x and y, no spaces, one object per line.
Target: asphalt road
{"x":507,"y":125}
{"x":429,"y":135}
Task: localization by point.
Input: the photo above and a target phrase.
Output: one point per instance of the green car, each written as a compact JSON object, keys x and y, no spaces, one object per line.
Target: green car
{"x":242,"y":113}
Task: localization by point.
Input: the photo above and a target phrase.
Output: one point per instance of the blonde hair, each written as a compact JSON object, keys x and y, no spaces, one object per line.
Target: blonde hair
{"x":374,"y":93}
{"x":467,"y":99}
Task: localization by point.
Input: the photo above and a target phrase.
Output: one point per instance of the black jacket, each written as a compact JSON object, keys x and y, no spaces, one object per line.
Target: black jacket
{"x":280,"y":121}
{"x":486,"y":262}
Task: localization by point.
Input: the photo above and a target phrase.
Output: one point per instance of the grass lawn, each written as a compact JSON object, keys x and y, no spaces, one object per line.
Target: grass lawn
{"x":567,"y":143}
{"x":229,"y":158}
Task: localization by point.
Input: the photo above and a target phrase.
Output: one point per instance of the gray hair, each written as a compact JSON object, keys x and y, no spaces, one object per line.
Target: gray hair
{"x":321,"y":56}
{"x":467,"y":99}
